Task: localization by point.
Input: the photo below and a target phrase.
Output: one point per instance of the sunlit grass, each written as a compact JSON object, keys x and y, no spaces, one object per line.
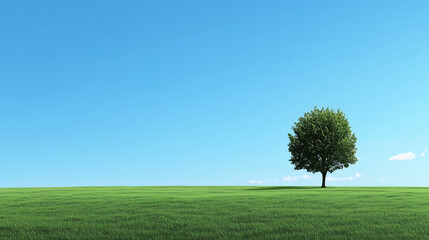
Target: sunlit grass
{"x":214,"y":213}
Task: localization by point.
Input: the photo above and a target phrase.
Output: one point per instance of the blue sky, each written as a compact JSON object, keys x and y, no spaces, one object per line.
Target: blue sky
{"x":204,"y":92}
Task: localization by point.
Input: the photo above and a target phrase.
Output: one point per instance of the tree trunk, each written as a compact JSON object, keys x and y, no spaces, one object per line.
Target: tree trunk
{"x":323,"y":179}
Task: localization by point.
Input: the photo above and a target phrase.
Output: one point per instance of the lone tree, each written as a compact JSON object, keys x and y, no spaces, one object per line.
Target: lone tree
{"x":322,"y":142}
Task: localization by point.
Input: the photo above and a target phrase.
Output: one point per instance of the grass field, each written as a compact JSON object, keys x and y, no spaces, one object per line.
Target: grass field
{"x":214,"y":213}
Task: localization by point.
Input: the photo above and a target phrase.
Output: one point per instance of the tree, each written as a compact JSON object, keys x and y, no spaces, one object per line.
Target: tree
{"x":322,"y":142}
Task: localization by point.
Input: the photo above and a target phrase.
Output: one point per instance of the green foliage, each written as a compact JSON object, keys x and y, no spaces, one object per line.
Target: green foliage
{"x":113,"y":213}
{"x":322,"y":142}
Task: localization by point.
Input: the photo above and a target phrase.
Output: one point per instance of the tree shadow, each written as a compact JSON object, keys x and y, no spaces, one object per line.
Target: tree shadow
{"x":282,"y":188}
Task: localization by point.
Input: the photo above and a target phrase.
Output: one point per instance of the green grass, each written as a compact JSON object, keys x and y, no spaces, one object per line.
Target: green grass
{"x":214,"y":213}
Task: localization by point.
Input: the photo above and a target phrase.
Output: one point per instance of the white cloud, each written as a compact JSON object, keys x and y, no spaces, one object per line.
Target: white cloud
{"x":294,"y":178}
{"x":285,"y":179}
{"x":306,"y":177}
{"x":290,"y":179}
{"x":424,"y":152}
{"x":257,"y":181}
{"x":357,"y":175}
{"x":403,"y":157}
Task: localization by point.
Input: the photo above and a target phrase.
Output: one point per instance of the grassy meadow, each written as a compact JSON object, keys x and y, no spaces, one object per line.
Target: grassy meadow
{"x":214,"y":213}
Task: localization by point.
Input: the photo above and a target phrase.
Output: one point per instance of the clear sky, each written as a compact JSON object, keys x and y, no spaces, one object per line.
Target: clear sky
{"x":204,"y":92}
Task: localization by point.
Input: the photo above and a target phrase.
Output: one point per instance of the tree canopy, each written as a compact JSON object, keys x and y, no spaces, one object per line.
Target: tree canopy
{"x":322,"y":141}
